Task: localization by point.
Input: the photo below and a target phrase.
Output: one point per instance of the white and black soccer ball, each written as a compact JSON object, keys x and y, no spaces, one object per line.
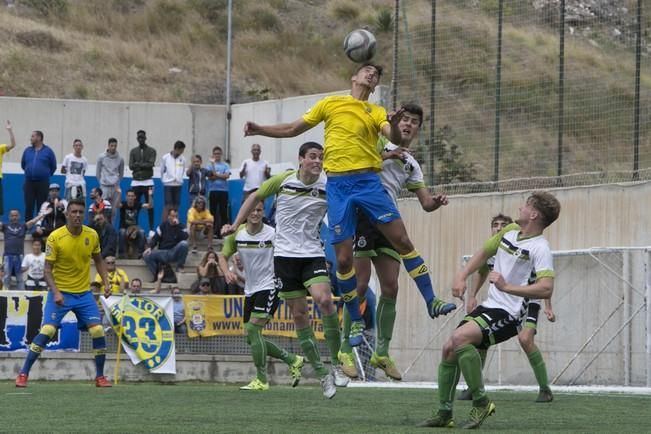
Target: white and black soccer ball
{"x":359,"y":45}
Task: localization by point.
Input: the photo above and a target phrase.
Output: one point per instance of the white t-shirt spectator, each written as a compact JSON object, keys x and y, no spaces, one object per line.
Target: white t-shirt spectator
{"x":35,"y":265}
{"x":75,"y":170}
{"x":255,"y":173}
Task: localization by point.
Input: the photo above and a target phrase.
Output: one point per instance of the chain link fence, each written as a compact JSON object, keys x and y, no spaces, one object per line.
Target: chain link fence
{"x":527,"y":93}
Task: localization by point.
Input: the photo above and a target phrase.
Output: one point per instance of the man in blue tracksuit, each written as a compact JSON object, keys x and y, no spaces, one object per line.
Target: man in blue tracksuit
{"x":38,"y":163}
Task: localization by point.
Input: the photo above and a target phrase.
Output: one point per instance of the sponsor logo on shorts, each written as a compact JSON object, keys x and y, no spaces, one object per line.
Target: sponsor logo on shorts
{"x":320,"y":270}
{"x":385,"y":216}
{"x":338,"y":230}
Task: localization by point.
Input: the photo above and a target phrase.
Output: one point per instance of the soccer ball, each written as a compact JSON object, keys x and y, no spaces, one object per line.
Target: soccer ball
{"x":359,"y":45}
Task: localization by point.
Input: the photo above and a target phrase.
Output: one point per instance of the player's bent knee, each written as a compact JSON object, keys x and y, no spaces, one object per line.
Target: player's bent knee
{"x":48,"y":330}
{"x":96,"y":331}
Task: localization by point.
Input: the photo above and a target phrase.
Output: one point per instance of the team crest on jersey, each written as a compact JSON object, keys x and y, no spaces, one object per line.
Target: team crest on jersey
{"x":261,"y":244}
{"x":48,"y":249}
{"x":314,"y":192}
{"x":197,"y":316}
{"x":86,"y":241}
{"x":408,"y":167}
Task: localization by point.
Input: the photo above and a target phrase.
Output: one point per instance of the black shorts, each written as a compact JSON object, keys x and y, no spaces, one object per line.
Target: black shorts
{"x":531,"y":320}
{"x":369,"y":241}
{"x":262,"y":304}
{"x":497,"y":325}
{"x":295,"y":275}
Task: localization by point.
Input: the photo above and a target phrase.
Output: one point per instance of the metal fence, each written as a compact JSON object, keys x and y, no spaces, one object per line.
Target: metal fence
{"x":556,"y":90}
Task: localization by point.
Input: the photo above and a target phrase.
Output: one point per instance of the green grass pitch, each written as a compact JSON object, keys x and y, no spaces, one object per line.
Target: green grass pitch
{"x":198,"y":407}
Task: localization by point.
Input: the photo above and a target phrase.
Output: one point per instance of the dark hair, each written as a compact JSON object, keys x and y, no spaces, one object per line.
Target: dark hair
{"x":96,"y":284}
{"x":414,"y":109}
{"x":307,"y":146}
{"x":547,"y":205}
{"x":179,"y":145}
{"x":77,"y":140}
{"x":136,"y":279}
{"x":139,"y":132}
{"x":130,"y":191}
{"x":502,"y":217}
{"x":39,"y":134}
{"x":197,"y":156}
{"x":112,"y":140}
{"x":377,"y":67}
{"x":37,"y":240}
{"x":77,"y":201}
{"x":99,"y":191}
{"x":217,"y":148}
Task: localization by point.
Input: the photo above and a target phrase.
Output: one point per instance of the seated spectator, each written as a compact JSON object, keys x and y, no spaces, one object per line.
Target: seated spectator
{"x":117,"y":276}
{"x":132,"y":237}
{"x":200,"y":221}
{"x":179,"y":311}
{"x":14,"y":244}
{"x":2,"y":278}
{"x":208,"y":271}
{"x":54,"y":209}
{"x":204,"y":287}
{"x":34,"y":265}
{"x":171,"y":239}
{"x":99,"y":205}
{"x":136,"y":287}
{"x":236,"y":267}
{"x":108,"y":236}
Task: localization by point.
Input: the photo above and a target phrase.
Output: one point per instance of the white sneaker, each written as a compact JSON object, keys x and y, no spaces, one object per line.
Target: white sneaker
{"x":328,"y":386}
{"x":341,"y":379}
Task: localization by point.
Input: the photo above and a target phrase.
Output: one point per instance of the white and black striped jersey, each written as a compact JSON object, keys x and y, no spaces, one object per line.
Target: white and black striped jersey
{"x":398,"y":174}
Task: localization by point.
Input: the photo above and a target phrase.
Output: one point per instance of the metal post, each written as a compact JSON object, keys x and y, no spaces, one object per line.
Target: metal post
{"x":626,"y":333}
{"x":561,"y":87}
{"x":647,"y":287}
{"x":229,"y":43}
{"x":394,"y":79}
{"x":432,"y":97}
{"x":498,"y":91}
{"x":636,"y":128}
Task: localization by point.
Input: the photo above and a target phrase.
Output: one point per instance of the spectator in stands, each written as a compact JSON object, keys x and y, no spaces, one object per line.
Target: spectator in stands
{"x":254,"y":171}
{"x":54,"y":211}
{"x":99,"y":205}
{"x":74,"y":167}
{"x":38,"y":163}
{"x":220,"y":171}
{"x":200,"y":222}
{"x":3,"y":150}
{"x":109,"y":173}
{"x":132,"y":237}
{"x":117,"y":276}
{"x":235,"y":266}
{"x":172,"y":169}
{"x":179,"y":311}
{"x":136,"y":286}
{"x":108,"y":236}
{"x":141,"y":162}
{"x":208,"y":271}
{"x":14,"y":243}
{"x":34,"y":265}
{"x":197,"y":178}
{"x":171,"y":238}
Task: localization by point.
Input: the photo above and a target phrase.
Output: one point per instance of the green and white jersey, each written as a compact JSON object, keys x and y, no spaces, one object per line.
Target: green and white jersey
{"x":490,"y":264}
{"x":515,"y":259}
{"x":299,"y":211}
{"x":398,"y":174}
{"x":257,"y":255}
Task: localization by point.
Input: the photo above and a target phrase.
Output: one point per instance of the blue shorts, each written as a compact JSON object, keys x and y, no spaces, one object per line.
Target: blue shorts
{"x":348,"y":193}
{"x":83,"y":305}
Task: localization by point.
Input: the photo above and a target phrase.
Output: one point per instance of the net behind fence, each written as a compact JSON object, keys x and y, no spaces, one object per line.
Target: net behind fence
{"x":518,"y":89}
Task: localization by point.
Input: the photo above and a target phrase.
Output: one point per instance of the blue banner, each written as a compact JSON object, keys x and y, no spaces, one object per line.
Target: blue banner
{"x":21,"y":314}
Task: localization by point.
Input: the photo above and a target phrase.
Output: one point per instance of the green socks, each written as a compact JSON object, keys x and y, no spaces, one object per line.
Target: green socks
{"x":470,"y":364}
{"x":539,"y":369}
{"x":279,"y":353}
{"x":258,"y":350}
{"x":307,"y":340}
{"x":448,"y":378}
{"x":345,"y":332}
{"x":386,"y":317}
{"x":332,"y":335}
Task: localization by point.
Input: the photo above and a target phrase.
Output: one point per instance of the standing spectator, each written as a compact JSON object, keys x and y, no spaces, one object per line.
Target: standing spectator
{"x":108,"y":236}
{"x":117,"y":277}
{"x":200,"y":221}
{"x":74,"y":167}
{"x":220,"y":171}
{"x":197,"y":178}
{"x":254,"y":171}
{"x":208,"y":271}
{"x":54,"y":211}
{"x":171,"y":238}
{"x":39,"y":163}
{"x":15,"y":247}
{"x":34,"y":265}
{"x":141,"y":162}
{"x":179,"y":311}
{"x":131,"y":235}
{"x":99,"y":205}
{"x":109,"y":172}
{"x":3,"y":150}
{"x":172,"y":169}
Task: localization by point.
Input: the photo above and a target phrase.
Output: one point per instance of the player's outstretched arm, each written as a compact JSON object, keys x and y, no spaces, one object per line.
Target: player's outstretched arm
{"x":477,"y":260}
{"x":392,"y":130}
{"x":430,"y":202}
{"x":12,"y":138}
{"x":293,"y":129}
{"x":243,"y":213}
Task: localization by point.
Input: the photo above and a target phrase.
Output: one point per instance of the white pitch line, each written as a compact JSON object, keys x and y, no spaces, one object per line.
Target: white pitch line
{"x":18,"y":393}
